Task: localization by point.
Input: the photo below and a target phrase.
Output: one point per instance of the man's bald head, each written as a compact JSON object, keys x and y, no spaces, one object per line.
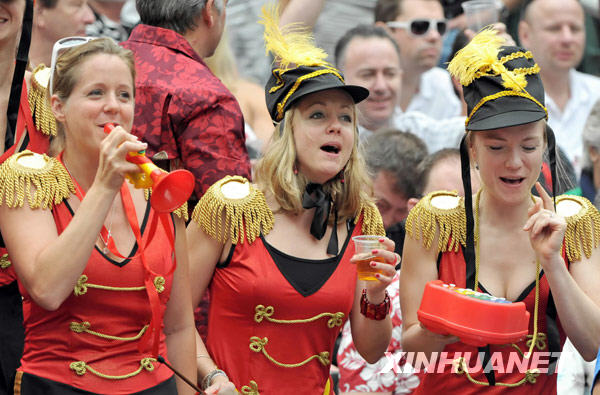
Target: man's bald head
{"x":554,"y":31}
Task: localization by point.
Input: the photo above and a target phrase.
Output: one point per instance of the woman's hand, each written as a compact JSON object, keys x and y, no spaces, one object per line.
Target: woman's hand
{"x":113,"y":165}
{"x":387,"y":270}
{"x":546,"y":228}
{"x":440,"y":339}
{"x":221,"y":387}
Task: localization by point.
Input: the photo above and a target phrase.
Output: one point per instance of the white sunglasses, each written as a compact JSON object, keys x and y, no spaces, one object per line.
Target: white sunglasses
{"x":61,"y":45}
{"x":420,"y":27}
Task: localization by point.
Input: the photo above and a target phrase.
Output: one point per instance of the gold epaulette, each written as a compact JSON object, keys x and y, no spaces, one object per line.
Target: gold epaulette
{"x":231,"y":209}
{"x":41,"y":179}
{"x":180,"y":212}
{"x":583,"y":225}
{"x":372,"y":223}
{"x":441,"y":213}
{"x":38,"y":101}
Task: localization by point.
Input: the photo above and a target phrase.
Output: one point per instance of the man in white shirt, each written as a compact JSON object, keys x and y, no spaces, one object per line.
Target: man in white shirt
{"x":418,"y":27}
{"x":554,"y":32}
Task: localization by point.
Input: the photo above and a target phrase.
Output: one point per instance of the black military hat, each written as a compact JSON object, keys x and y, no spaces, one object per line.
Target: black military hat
{"x":287,"y":86}
{"x":300,"y":66}
{"x":501,"y":84}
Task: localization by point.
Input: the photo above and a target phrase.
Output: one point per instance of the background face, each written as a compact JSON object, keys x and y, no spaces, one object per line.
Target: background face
{"x":419,"y":53}
{"x":554,"y":31}
{"x":67,"y":18}
{"x":374,"y":64}
{"x":11,"y":18}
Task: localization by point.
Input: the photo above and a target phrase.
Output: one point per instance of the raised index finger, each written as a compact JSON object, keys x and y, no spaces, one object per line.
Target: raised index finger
{"x":546,"y":199}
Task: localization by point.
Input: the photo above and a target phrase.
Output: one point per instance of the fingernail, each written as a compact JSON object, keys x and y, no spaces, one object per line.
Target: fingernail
{"x":381,"y":240}
{"x":374,"y":251}
{"x":373,"y":264}
{"x":377,"y":276}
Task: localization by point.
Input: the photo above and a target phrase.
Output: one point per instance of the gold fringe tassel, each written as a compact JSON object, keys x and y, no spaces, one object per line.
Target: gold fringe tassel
{"x":38,"y":101}
{"x":583,"y":229}
{"x":425,"y":221}
{"x":51,"y":181}
{"x":230,"y":219}
{"x":372,"y":222}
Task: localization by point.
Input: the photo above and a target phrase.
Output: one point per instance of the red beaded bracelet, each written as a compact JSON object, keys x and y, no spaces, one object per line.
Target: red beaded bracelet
{"x":374,"y":311}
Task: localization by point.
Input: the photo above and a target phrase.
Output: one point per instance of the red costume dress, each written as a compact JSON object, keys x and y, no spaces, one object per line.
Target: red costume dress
{"x":27,"y":136}
{"x":91,"y":341}
{"x":511,"y":371}
{"x":270,"y":336}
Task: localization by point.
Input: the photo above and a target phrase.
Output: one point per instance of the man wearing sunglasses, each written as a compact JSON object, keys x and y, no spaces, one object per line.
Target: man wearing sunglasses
{"x":418,"y":27}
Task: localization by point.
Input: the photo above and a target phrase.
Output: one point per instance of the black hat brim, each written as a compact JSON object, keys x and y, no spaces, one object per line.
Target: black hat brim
{"x":357,"y":93}
{"x":506,"y":120}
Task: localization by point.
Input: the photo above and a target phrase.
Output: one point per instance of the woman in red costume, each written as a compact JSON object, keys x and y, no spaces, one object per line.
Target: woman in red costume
{"x":542,"y":251}
{"x":276,"y":255}
{"x":17,"y":132}
{"x":93,"y":316}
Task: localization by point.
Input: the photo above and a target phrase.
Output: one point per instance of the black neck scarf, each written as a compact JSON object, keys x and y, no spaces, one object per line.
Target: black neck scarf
{"x":314,"y":196}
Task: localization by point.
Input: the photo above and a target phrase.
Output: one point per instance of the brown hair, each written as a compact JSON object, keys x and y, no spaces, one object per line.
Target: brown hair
{"x":66,"y":73}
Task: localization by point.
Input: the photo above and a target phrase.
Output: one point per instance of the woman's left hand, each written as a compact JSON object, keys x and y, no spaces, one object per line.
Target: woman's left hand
{"x":387,"y":270}
{"x":546,"y":228}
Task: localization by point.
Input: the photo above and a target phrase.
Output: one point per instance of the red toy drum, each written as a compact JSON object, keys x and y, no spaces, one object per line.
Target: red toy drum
{"x":476,"y":318}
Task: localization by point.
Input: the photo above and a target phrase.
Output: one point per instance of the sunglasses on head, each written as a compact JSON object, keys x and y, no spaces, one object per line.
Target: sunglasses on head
{"x":420,"y":27}
{"x":59,"y":46}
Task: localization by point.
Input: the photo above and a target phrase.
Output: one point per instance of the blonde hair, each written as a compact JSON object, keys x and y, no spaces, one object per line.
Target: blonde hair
{"x":66,"y":74}
{"x":274,"y":173}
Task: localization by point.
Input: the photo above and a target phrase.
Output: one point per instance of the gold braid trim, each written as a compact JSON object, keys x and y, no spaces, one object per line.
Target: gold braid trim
{"x":83,"y":327}
{"x":516,"y":55}
{"x":299,"y":80}
{"x":540,"y":341}
{"x":82,"y":286}
{"x":4,"y":262}
{"x":425,"y":221}
{"x":251,"y":389}
{"x":80,"y":368}
{"x":583,"y":228}
{"x":25,"y":170}
{"x":372,"y":222}
{"x":460,"y":367}
{"x":38,"y":101}
{"x":180,"y":212}
{"x":230,"y":207}
{"x":258,"y":345}
{"x":266,"y":313}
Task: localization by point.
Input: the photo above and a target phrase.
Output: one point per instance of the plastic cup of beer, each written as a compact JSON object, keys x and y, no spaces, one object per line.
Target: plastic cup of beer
{"x":480,"y":13}
{"x":364,"y":246}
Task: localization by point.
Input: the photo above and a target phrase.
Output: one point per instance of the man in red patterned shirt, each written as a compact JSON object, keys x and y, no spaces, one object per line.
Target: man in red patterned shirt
{"x":185,"y":114}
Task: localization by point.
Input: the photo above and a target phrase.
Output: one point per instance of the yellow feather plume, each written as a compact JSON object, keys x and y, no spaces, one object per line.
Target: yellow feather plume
{"x":293,"y":44}
{"x":480,"y":55}
{"x":516,"y":82}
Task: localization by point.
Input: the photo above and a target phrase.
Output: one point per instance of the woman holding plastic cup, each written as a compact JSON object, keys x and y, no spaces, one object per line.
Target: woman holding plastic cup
{"x":277,"y":253}
{"x":541,"y":251}
{"x":103,"y":295}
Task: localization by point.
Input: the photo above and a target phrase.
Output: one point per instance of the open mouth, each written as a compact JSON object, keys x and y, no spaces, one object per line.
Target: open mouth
{"x":332,"y":149}
{"x":512,"y":180}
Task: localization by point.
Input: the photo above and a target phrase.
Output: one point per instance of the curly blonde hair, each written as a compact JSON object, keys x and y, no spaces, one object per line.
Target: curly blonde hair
{"x":274,"y":174}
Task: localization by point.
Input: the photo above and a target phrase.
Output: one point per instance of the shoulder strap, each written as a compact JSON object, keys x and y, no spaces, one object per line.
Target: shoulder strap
{"x":232,"y":209}
{"x":37,"y":178}
{"x":441,"y":213}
